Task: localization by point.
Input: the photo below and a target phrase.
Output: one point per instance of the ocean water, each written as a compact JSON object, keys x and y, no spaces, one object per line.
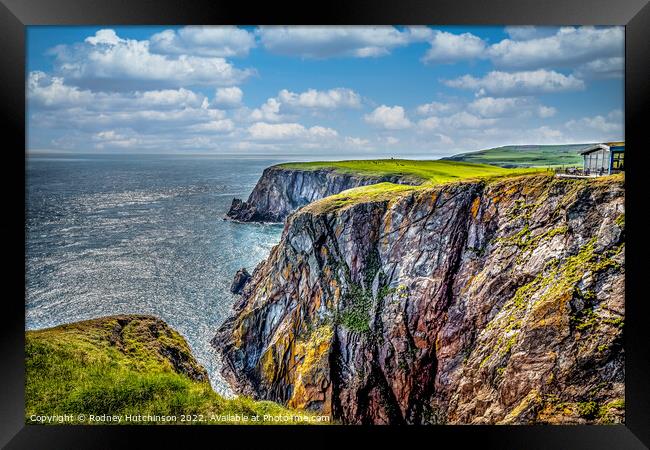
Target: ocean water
{"x":113,"y":234}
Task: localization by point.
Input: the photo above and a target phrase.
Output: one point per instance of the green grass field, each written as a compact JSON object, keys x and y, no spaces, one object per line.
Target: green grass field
{"x":417,"y":171}
{"x":124,"y":365}
{"x":526,"y":156}
{"x":421,"y":174}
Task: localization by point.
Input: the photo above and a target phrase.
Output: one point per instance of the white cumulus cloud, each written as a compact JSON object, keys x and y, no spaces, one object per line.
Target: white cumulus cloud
{"x":610,"y":126}
{"x":355,"y":142}
{"x":388,"y":118}
{"x":45,"y":91}
{"x":448,"y":47}
{"x":312,"y":98}
{"x":114,"y":139}
{"x":287,"y":103}
{"x":435,"y":108}
{"x":613,"y":67}
{"x":464,"y":120}
{"x":52,"y":91}
{"x":221,"y":41}
{"x":430,"y":123}
{"x":518,"y":83}
{"x":509,"y":106}
{"x":526,"y":32}
{"x":495,"y":107}
{"x":546,"y":111}
{"x":568,"y":47}
{"x":269,"y":111}
{"x":105,"y":37}
{"x":336,"y":41}
{"x":107,"y":61}
{"x":288,"y":131}
{"x":214,"y":126}
{"x":229,"y":97}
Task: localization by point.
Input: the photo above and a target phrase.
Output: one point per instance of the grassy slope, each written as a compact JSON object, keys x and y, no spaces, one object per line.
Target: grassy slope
{"x":526,"y":156}
{"x":122,"y":365}
{"x":423,"y":173}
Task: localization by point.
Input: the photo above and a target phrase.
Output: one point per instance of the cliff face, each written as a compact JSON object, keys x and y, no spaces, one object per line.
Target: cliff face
{"x":281,"y":191}
{"x":471,"y":302}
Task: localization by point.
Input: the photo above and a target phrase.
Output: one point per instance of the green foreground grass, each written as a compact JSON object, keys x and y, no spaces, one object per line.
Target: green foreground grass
{"x":420,"y":175}
{"x":129,"y":365}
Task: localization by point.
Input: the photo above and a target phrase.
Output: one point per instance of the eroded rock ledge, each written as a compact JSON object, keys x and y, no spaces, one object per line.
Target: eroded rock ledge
{"x":470,"y":302}
{"x":280,"y":191}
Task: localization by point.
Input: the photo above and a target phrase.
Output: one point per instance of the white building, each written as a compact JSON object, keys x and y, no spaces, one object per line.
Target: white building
{"x":604,"y":159}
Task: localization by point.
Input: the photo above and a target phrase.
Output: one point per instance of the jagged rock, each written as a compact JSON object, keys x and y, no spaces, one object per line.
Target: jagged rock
{"x":281,"y":191}
{"x":242,"y":277}
{"x":470,"y":302}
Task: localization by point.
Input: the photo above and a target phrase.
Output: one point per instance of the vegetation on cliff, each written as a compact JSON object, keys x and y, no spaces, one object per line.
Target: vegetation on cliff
{"x":391,"y":192}
{"x":122,"y":365}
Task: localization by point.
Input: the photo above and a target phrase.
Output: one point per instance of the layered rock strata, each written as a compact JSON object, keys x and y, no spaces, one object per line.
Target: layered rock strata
{"x":471,"y":302}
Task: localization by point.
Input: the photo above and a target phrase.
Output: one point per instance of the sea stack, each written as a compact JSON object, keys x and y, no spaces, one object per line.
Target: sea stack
{"x":242,"y":277}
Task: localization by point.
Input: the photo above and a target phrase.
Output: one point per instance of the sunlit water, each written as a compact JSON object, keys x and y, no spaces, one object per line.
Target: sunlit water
{"x":140,"y":234}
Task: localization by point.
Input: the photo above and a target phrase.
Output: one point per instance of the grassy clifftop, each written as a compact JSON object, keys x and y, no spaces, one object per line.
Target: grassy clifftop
{"x":420,"y":171}
{"x":124,"y":365}
{"x":423,"y":173}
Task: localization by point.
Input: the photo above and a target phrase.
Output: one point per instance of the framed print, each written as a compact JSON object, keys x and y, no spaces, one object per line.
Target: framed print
{"x":325,"y":223}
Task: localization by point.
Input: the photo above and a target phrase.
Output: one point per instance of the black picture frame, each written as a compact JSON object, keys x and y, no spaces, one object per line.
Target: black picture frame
{"x":15,"y":15}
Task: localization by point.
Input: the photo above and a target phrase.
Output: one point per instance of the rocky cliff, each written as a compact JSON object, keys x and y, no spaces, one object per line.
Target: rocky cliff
{"x":472,"y":302}
{"x":280,"y":191}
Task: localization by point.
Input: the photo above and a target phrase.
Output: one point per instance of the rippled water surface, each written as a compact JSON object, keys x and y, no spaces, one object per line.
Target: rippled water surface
{"x":140,"y":234}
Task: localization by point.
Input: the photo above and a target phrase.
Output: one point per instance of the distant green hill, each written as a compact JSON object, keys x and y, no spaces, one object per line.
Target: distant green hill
{"x":525,"y":155}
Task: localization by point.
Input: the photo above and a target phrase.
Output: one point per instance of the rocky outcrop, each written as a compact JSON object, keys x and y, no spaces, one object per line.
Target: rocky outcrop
{"x":473,"y":302}
{"x":242,"y":277}
{"x":137,"y":365}
{"x":280,"y":191}
{"x":137,"y":340}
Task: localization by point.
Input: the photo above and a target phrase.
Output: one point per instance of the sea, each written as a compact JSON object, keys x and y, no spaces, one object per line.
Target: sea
{"x":124,"y":234}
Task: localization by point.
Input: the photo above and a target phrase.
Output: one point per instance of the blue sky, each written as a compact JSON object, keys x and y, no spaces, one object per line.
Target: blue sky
{"x":321,"y":91}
